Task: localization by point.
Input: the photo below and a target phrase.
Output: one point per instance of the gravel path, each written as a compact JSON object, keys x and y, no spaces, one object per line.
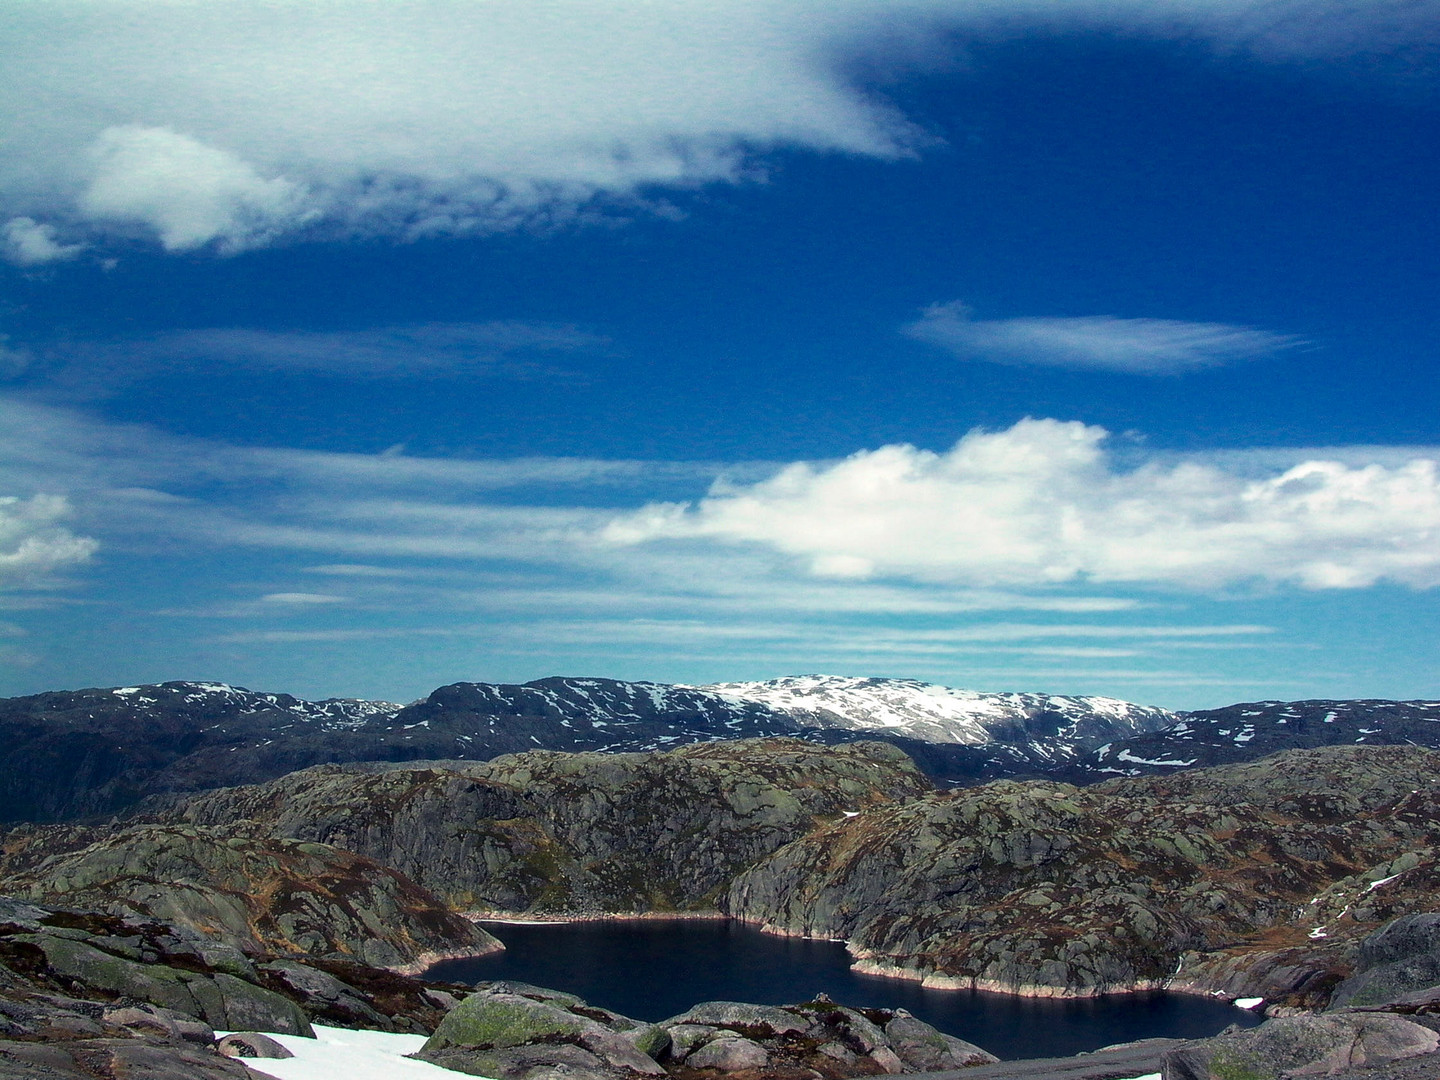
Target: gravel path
{"x":1112,"y":1063}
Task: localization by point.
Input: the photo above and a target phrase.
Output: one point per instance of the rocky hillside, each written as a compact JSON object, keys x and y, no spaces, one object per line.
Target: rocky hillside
{"x":1249,"y":731}
{"x":89,"y":996}
{"x":87,"y":754}
{"x":574,"y":833}
{"x":1046,"y":888}
{"x":257,"y":895}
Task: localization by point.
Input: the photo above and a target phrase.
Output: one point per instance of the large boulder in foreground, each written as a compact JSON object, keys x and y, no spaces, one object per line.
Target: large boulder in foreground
{"x":218,"y":998}
{"x":509,"y":1035}
{"x":1394,"y":962}
{"x":1302,"y":1046}
{"x":514,"y":1032}
{"x":116,"y":1059}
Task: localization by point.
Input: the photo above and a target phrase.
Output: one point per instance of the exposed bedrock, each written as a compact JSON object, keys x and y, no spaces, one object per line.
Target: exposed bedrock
{"x":255,"y":894}
{"x":575,"y":833}
{"x":1043,"y":888}
{"x":512,"y":1031}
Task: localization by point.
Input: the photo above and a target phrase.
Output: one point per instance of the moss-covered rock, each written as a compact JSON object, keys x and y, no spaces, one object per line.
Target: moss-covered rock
{"x":498,"y":1021}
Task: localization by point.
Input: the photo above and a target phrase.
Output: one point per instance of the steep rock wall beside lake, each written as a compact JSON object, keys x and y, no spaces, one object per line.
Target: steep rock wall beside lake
{"x":1043,"y":888}
{"x":546,"y":832}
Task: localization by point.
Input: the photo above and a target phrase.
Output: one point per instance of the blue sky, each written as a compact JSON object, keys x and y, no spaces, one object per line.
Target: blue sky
{"x":1057,"y":346}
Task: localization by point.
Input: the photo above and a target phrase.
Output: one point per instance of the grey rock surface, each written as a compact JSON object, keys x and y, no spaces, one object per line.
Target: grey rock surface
{"x":740,"y":1016}
{"x":1301,"y":1045}
{"x":574,"y":833}
{"x":251,"y":1044}
{"x":1109,"y":1063}
{"x":248,"y":894}
{"x":116,"y":1059}
{"x":729,"y":1053}
{"x":1042,"y":888}
{"x":1395,"y":961}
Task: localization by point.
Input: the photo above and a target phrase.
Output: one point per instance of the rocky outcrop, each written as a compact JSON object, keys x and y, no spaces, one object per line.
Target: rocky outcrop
{"x":1301,"y":1046}
{"x":116,"y":1059}
{"x":511,"y":1032}
{"x":255,"y":894}
{"x":1048,"y":889}
{"x":69,"y":974}
{"x":90,"y":957}
{"x":1400,"y":959}
{"x":575,"y":833}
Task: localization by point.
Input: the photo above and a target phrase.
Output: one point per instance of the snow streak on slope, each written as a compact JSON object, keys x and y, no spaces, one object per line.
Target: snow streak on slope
{"x":911,"y":709}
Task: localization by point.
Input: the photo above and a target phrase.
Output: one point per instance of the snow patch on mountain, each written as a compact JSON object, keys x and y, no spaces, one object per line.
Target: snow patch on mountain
{"x":941,"y":714}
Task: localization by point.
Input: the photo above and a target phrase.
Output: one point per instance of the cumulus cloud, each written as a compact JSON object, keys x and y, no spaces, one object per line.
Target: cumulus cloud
{"x":1095,"y":342}
{"x":32,"y":542}
{"x":27,"y":242}
{"x":229,"y":124}
{"x":1042,"y":503}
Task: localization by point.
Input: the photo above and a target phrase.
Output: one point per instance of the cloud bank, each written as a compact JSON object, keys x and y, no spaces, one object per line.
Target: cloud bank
{"x":232,"y":124}
{"x":1040,"y":503}
{"x":1094,"y":343}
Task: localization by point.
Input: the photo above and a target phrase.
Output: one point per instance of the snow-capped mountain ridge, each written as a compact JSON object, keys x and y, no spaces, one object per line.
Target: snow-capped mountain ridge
{"x":204,"y":697}
{"x":942,"y":714}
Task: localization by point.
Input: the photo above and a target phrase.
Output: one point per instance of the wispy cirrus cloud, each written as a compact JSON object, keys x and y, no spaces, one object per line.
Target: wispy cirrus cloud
{"x":1027,"y":543}
{"x":1095,"y":342}
{"x":509,"y":349}
{"x":234,"y":125}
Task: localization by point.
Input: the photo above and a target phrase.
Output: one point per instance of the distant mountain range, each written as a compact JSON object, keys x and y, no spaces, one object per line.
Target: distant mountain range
{"x":74,"y":754}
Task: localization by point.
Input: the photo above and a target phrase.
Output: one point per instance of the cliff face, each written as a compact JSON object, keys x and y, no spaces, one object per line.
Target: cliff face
{"x":1045,"y":888}
{"x":260,"y":895}
{"x":575,"y":833}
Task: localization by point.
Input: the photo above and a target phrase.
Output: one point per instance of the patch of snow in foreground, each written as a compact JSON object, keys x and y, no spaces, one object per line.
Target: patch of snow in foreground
{"x":341,"y":1054}
{"x":1249,"y":1003}
{"x":1147,"y":1076}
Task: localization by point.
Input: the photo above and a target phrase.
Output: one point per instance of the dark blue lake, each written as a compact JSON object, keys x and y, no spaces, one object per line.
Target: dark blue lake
{"x":655,"y":969}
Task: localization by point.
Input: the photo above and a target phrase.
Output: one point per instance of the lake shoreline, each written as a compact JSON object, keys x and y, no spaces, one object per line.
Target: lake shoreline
{"x":861,"y":965}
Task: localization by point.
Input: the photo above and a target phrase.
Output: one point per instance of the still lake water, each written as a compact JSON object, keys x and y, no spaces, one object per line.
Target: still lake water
{"x":655,"y":969}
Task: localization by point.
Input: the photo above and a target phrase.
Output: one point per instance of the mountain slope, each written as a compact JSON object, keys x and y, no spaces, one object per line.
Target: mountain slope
{"x":1252,"y":730}
{"x":927,"y":712}
{"x":87,"y":753}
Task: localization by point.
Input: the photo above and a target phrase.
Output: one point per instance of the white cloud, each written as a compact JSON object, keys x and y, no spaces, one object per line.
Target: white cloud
{"x":32,"y":543}
{"x":232,"y":123}
{"x":1041,"y":503}
{"x":189,"y":193}
{"x":27,"y":242}
{"x":1095,"y":342}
